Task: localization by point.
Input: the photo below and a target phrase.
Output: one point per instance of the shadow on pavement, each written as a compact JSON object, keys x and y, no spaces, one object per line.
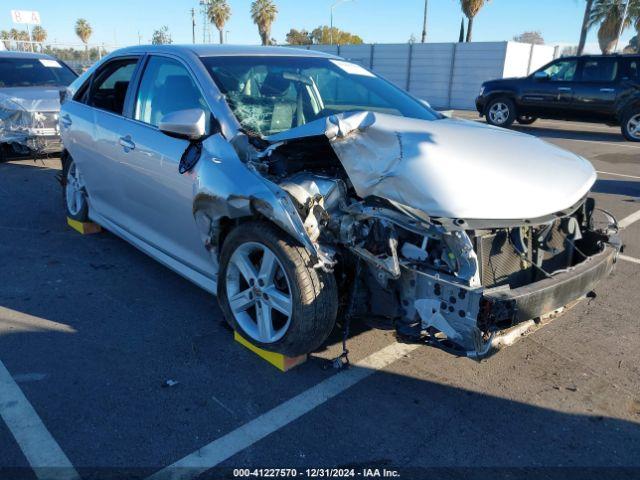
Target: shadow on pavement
{"x":572,"y":134}
{"x":617,"y":187}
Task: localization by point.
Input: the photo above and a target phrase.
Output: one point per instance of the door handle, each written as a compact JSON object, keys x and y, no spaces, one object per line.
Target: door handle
{"x":127,"y":143}
{"x":564,"y":89}
{"x":66,"y":121}
{"x":608,"y":90}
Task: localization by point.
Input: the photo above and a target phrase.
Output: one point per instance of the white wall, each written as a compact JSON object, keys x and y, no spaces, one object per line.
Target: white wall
{"x":448,"y":75}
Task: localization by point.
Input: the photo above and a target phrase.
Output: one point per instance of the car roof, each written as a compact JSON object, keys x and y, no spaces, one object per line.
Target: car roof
{"x":613,"y":55}
{"x":8,"y":54}
{"x":225,"y":50}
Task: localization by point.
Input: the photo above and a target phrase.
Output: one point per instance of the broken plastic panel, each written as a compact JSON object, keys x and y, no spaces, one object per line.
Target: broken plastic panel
{"x":29,"y":126}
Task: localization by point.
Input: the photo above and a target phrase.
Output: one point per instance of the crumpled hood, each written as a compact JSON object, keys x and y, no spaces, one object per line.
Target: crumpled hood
{"x":34,"y":99}
{"x":453,"y":168}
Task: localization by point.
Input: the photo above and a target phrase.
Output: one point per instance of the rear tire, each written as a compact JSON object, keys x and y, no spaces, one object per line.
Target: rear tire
{"x":526,"y":119}
{"x":74,"y":194}
{"x":501,"y":112}
{"x":630,"y":125}
{"x":309,"y":295}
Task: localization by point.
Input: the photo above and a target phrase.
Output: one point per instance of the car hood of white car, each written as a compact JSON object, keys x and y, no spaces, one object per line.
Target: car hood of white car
{"x":452,"y":168}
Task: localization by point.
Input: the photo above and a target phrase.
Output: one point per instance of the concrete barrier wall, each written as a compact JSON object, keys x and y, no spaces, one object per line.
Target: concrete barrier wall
{"x":448,"y":75}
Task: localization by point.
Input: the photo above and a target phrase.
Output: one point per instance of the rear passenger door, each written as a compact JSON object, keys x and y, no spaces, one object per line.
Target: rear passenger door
{"x":598,"y":87}
{"x":101,"y":163}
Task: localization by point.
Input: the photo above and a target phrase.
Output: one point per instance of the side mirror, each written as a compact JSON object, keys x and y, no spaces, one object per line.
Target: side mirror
{"x":541,"y":76}
{"x":186,"y":124}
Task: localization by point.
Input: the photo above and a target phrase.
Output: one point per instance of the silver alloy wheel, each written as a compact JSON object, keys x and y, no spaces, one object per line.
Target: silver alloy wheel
{"x":499,"y":113}
{"x":633,"y":126}
{"x":74,"y":193}
{"x":259,"y":292}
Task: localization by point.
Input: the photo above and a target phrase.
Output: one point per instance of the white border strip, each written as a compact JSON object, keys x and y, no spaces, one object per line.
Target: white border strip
{"x":42,"y":452}
{"x":631,"y":219}
{"x":243,"y":437}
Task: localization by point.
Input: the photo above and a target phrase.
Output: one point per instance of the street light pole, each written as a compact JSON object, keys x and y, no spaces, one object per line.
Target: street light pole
{"x":338,"y":2}
{"x":424,"y":21}
{"x":193,"y":25}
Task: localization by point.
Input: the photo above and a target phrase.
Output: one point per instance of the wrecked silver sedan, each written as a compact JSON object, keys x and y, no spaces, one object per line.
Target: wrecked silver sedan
{"x":301,"y":187}
{"x":30,"y":85}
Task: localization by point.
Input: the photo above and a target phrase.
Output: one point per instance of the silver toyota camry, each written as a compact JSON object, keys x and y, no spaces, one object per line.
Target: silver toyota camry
{"x":299,"y":187}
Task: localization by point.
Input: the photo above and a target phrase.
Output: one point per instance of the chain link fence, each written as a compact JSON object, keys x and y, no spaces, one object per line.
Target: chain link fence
{"x":77,"y":55}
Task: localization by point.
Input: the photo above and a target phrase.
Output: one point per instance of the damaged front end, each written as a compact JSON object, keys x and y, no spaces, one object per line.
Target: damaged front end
{"x":452,"y":252}
{"x":28,"y":128}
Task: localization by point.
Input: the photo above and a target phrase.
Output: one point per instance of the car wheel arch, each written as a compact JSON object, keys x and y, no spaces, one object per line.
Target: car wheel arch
{"x":215,"y":222}
{"x":511,"y":95}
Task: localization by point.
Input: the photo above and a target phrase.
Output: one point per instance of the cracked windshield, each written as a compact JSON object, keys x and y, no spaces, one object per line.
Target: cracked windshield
{"x":269,"y":95}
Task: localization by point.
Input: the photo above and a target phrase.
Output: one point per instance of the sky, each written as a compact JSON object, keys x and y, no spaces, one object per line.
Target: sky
{"x":127,"y":22}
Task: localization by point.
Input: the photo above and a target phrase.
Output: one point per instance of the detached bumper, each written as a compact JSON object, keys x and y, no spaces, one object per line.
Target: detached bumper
{"x":537,"y":299}
{"x":34,"y":145}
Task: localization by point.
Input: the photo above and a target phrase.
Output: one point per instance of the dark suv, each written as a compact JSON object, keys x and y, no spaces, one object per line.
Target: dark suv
{"x":591,"y":88}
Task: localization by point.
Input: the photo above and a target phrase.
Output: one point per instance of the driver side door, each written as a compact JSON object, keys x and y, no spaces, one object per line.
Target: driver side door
{"x":551,"y":95}
{"x":159,"y":198}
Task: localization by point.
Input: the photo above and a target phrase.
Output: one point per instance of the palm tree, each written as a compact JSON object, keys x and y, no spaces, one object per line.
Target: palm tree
{"x":471,"y":9}
{"x":84,"y":31}
{"x":22,"y":39}
{"x":39,"y":35}
{"x":585,"y":26}
{"x":15,"y":36}
{"x":634,"y":15}
{"x":5,"y":38}
{"x":608,"y":14}
{"x":264,"y":13}
{"x":219,"y":13}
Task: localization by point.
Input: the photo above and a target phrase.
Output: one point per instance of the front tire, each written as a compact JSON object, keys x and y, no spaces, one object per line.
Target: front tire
{"x":74,"y":193}
{"x":501,"y":112}
{"x":270,"y":292}
{"x":631,"y":125}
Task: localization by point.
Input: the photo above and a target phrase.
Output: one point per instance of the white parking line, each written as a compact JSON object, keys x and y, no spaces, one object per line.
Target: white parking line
{"x":631,"y":219}
{"x":629,"y":259}
{"x":42,"y":452}
{"x":243,"y":437}
{"x":618,"y":174}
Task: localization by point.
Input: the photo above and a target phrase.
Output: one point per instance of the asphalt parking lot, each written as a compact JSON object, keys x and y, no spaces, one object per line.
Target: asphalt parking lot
{"x":91,"y":329}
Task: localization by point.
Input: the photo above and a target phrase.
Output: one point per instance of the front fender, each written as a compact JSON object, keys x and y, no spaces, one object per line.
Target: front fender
{"x":228,"y":188}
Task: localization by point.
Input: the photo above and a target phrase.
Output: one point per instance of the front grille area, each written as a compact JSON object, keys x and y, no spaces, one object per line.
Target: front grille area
{"x":501,"y":262}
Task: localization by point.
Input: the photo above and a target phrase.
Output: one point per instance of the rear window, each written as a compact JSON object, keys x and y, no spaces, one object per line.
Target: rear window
{"x":34,"y":72}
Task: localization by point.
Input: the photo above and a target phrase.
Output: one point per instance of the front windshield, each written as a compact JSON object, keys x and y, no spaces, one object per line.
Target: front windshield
{"x":34,"y":72}
{"x":271,"y":94}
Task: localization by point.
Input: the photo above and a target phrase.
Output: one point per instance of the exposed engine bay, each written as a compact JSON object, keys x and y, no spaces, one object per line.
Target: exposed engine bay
{"x":454,"y":281}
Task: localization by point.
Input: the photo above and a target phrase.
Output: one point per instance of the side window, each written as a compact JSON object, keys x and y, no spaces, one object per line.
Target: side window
{"x":633,"y":70}
{"x":562,"y":71}
{"x":110,"y":85}
{"x":166,"y":87}
{"x":599,"y":70}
